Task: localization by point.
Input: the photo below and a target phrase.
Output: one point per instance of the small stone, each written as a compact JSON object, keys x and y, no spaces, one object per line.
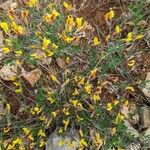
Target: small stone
{"x":130,"y":129}
{"x":56,"y":142}
{"x":145,"y":116}
{"x":134,"y":146}
{"x":146,"y":89}
{"x":147,"y":138}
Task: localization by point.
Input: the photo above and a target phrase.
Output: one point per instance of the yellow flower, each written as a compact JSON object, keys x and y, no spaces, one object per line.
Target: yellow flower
{"x":79,"y":22}
{"x":50,"y":18}
{"x":54,"y":113}
{"x":96,"y":97}
{"x":66,"y":38}
{"x":72,"y":144}
{"x":74,"y":102}
{"x":10,"y":147}
{"x":81,"y":82}
{"x":6,"y":50}
{"x":20,"y":30}
{"x":109,"y":107}
{"x":75,"y":92}
{"x":115,"y":102}
{"x":4,"y":26}
{"x":117,"y":29}
{"x":65,"y":122}
{"x":62,"y":142}
{"x":81,"y":133}
{"x":107,"y":38}
{"x":54,"y":46}
{"x":6,"y":130}
{"x":113,"y":131}
{"x":26,"y":130}
{"x":83,"y":142}
{"x":98,"y":139}
{"x":54,"y":78}
{"x":110,"y":15}
{"x":49,"y":53}
{"x":67,"y":6}
{"x":119,"y":118}
{"x":30,"y":137}
{"x":42,"y":143}
{"x":35,"y":110}
{"x":60,"y":130}
{"x":66,"y":112}
{"x":79,"y":118}
{"x":93,"y":72}
{"x":129,"y":37}
{"x":42,"y":118}
{"x":130,"y":88}
{"x":8,"y":107}
{"x":126,"y":103}
{"x":69,"y":23}
{"x":41,"y":133}
{"x":19,"y":90}
{"x":46,"y":42}
{"x":17,"y":141}
{"x":51,"y":99}
{"x":17,"y":29}
{"x":131,"y":63}
{"x":32,"y":3}
{"x":140,"y":36}
{"x":88,"y":88}
{"x":19,"y":52}
{"x":96,"y":41}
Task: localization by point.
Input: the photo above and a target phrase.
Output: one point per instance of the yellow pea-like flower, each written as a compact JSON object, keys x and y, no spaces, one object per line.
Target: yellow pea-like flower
{"x":96,"y":41}
{"x":6,"y":50}
{"x":4,"y":26}
{"x":67,"y":6}
{"x":131,"y":63}
{"x":79,"y":22}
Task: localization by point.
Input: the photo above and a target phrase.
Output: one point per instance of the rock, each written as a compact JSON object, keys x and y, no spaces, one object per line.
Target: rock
{"x":125,"y":111}
{"x":130,"y":113}
{"x":54,"y":142}
{"x":134,"y":146}
{"x":146,"y":140}
{"x":33,"y":76}
{"x":8,"y":72}
{"x":146,"y":89}
{"x":145,"y":116}
{"x":130,"y":129}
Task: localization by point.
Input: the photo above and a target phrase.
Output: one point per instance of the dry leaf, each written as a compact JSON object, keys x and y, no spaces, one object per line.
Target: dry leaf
{"x":8,"y":72}
{"x":5,"y":5}
{"x":33,"y":76}
{"x":61,"y":63}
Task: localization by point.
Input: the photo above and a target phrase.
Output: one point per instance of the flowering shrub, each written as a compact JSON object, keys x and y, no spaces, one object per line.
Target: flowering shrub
{"x":70,"y":88}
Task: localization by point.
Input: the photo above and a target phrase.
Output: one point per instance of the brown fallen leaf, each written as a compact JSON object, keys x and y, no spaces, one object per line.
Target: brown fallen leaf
{"x":33,"y":76}
{"x":8,"y":72}
{"x":6,"y":4}
{"x":61,"y":62}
